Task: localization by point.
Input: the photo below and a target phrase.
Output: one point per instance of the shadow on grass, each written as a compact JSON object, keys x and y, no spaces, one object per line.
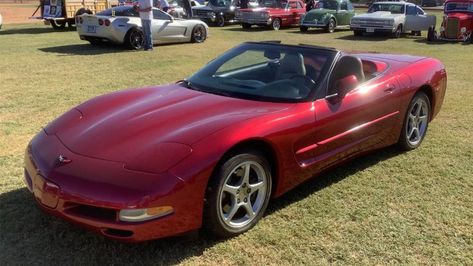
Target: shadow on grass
{"x":370,"y":37}
{"x":30,"y":237}
{"x":425,"y":41}
{"x":84,"y":49}
{"x":317,"y":31}
{"x":37,"y":30}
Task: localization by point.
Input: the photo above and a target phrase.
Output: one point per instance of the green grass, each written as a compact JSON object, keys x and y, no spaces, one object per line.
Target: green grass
{"x":384,"y":208}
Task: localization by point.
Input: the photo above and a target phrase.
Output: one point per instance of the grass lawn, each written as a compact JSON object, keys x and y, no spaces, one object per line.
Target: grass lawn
{"x":387,"y":207}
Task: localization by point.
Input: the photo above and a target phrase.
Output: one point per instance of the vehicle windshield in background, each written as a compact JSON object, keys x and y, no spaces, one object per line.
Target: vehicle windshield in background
{"x":327,"y":4}
{"x":273,"y":3}
{"x":220,"y":3}
{"x":461,"y":7}
{"x":120,"y":11}
{"x":265,"y":72}
{"x":393,"y":8}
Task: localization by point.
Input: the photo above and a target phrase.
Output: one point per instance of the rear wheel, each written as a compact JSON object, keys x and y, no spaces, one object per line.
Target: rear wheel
{"x":416,"y":122}
{"x":238,"y":194}
{"x":134,"y":39}
{"x":331,"y":26}
{"x":246,"y":26}
{"x":303,"y":28}
{"x":220,"y":21}
{"x":276,"y":25}
{"x":199,"y":34}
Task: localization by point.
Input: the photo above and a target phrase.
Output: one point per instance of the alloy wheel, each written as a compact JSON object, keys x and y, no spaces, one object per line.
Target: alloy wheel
{"x":417,"y":122}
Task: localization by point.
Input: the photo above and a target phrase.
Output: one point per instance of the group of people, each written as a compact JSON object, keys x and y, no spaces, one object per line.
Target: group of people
{"x":145,"y":9}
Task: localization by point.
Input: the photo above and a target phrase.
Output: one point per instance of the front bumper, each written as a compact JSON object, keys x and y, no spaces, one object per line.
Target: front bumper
{"x":373,"y":29}
{"x":255,"y":21}
{"x":90,"y":192}
{"x":319,"y":24}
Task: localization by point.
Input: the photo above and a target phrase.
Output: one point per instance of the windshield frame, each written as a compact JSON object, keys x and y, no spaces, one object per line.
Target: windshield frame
{"x":470,"y":7}
{"x":388,"y":4}
{"x":213,"y":66}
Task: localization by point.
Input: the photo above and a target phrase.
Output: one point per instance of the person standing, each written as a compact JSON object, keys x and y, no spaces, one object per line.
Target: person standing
{"x":164,"y":5}
{"x":146,"y":15}
{"x":187,"y":7}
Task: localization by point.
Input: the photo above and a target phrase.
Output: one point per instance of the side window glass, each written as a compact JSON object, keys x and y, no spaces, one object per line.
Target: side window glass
{"x":299,"y":5}
{"x":344,"y":6}
{"x":158,"y":14}
{"x":292,"y":5}
{"x":411,"y":10}
{"x":419,"y":11}
{"x":350,"y":6}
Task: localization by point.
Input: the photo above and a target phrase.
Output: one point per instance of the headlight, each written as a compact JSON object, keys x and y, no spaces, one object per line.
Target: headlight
{"x":140,"y":215}
{"x":463,"y":30}
{"x":211,"y":14}
{"x":389,"y":22}
{"x":159,"y":158}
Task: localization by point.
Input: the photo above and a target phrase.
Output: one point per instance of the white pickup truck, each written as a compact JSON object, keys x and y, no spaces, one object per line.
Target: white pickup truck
{"x":395,"y":18}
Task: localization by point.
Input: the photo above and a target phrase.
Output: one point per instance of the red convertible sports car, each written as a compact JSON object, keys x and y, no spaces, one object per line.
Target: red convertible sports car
{"x":212,"y":150}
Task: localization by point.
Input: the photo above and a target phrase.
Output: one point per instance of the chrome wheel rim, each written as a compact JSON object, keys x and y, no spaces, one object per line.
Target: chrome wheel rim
{"x":199,"y":34}
{"x":417,"y":119}
{"x":276,"y":24}
{"x":331,"y":26}
{"x":136,"y":39}
{"x":243,"y":194}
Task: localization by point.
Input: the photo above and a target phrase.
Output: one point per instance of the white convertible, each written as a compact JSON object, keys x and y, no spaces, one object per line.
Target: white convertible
{"x":392,"y":17}
{"x":122,"y":25}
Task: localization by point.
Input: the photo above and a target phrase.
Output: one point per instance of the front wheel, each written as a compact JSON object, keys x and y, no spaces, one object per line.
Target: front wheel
{"x":357,"y":32}
{"x":238,"y":194}
{"x":246,"y":26}
{"x":276,"y":25}
{"x":303,"y":28}
{"x":331,"y":26}
{"x":398,"y":32}
{"x":199,"y":34}
{"x":220,"y":21}
{"x":416,"y":122}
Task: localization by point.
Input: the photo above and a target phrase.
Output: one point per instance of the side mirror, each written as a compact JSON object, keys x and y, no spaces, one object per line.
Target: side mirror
{"x":343,"y":86}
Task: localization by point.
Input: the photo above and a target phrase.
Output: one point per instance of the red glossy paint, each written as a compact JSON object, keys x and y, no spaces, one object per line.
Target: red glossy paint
{"x":158,"y":146}
{"x":288,"y":16}
{"x":454,"y":21}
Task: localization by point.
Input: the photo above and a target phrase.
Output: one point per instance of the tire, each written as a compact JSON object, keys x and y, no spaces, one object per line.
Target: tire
{"x":199,"y":34}
{"x":232,"y":194}
{"x":331,"y":26}
{"x":416,"y":33}
{"x":415,"y":123}
{"x":276,"y":24}
{"x":431,"y":34}
{"x":220,"y":21}
{"x":303,"y":28}
{"x":357,"y":33}
{"x":246,"y":26}
{"x":58,"y":25}
{"x":398,"y":32}
{"x":134,"y":39}
{"x":82,"y":11}
{"x":95,"y":42}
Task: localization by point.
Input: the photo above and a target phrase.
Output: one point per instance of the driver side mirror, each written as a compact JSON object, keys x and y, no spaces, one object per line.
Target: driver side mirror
{"x":343,"y":86}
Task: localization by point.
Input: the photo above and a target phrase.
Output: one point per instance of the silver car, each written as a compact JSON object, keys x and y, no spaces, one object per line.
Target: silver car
{"x":122,"y":25}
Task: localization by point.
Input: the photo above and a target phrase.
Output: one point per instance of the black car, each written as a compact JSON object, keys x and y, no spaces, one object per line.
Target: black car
{"x":431,"y":3}
{"x":219,"y":12}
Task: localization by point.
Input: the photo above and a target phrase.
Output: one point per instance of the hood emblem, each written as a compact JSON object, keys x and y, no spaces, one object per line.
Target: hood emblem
{"x":61,"y":160}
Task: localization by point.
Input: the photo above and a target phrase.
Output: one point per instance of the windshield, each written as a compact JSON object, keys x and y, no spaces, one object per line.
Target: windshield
{"x":220,"y":3}
{"x":266,"y":72}
{"x":273,"y":3}
{"x":327,"y":4}
{"x":459,"y":7}
{"x":393,"y":8}
{"x":120,"y":11}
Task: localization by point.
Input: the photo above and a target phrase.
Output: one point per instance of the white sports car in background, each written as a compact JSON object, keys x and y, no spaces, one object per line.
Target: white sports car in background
{"x":122,"y":25}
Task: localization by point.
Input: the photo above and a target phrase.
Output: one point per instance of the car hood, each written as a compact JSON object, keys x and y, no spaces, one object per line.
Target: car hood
{"x":318,"y":14}
{"x":120,"y":125}
{"x":378,"y":14}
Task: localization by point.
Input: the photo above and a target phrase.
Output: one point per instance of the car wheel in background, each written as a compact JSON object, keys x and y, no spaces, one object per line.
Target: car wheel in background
{"x":431,"y":34}
{"x":82,"y":11}
{"x":199,"y":34}
{"x":58,"y":25}
{"x":331,"y":26}
{"x":246,"y":26}
{"x":220,"y":21}
{"x":303,"y":28}
{"x":358,"y":32}
{"x":276,"y":25}
{"x":134,"y":39}
{"x":398,"y":32}
{"x":238,"y":194}
{"x":416,"y":122}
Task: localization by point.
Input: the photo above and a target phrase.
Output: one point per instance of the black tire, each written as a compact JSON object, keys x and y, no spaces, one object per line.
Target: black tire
{"x":95,"y":42}
{"x":220,"y":22}
{"x":276,"y":24}
{"x":416,"y":33}
{"x":357,"y":32}
{"x":199,"y":34}
{"x":431,"y":34}
{"x":58,"y":25}
{"x":134,"y":39}
{"x":82,"y":11}
{"x":398,"y":32}
{"x":331,"y":26}
{"x":413,"y":124}
{"x":217,"y":200}
{"x":303,"y":28}
{"x":246,"y":26}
